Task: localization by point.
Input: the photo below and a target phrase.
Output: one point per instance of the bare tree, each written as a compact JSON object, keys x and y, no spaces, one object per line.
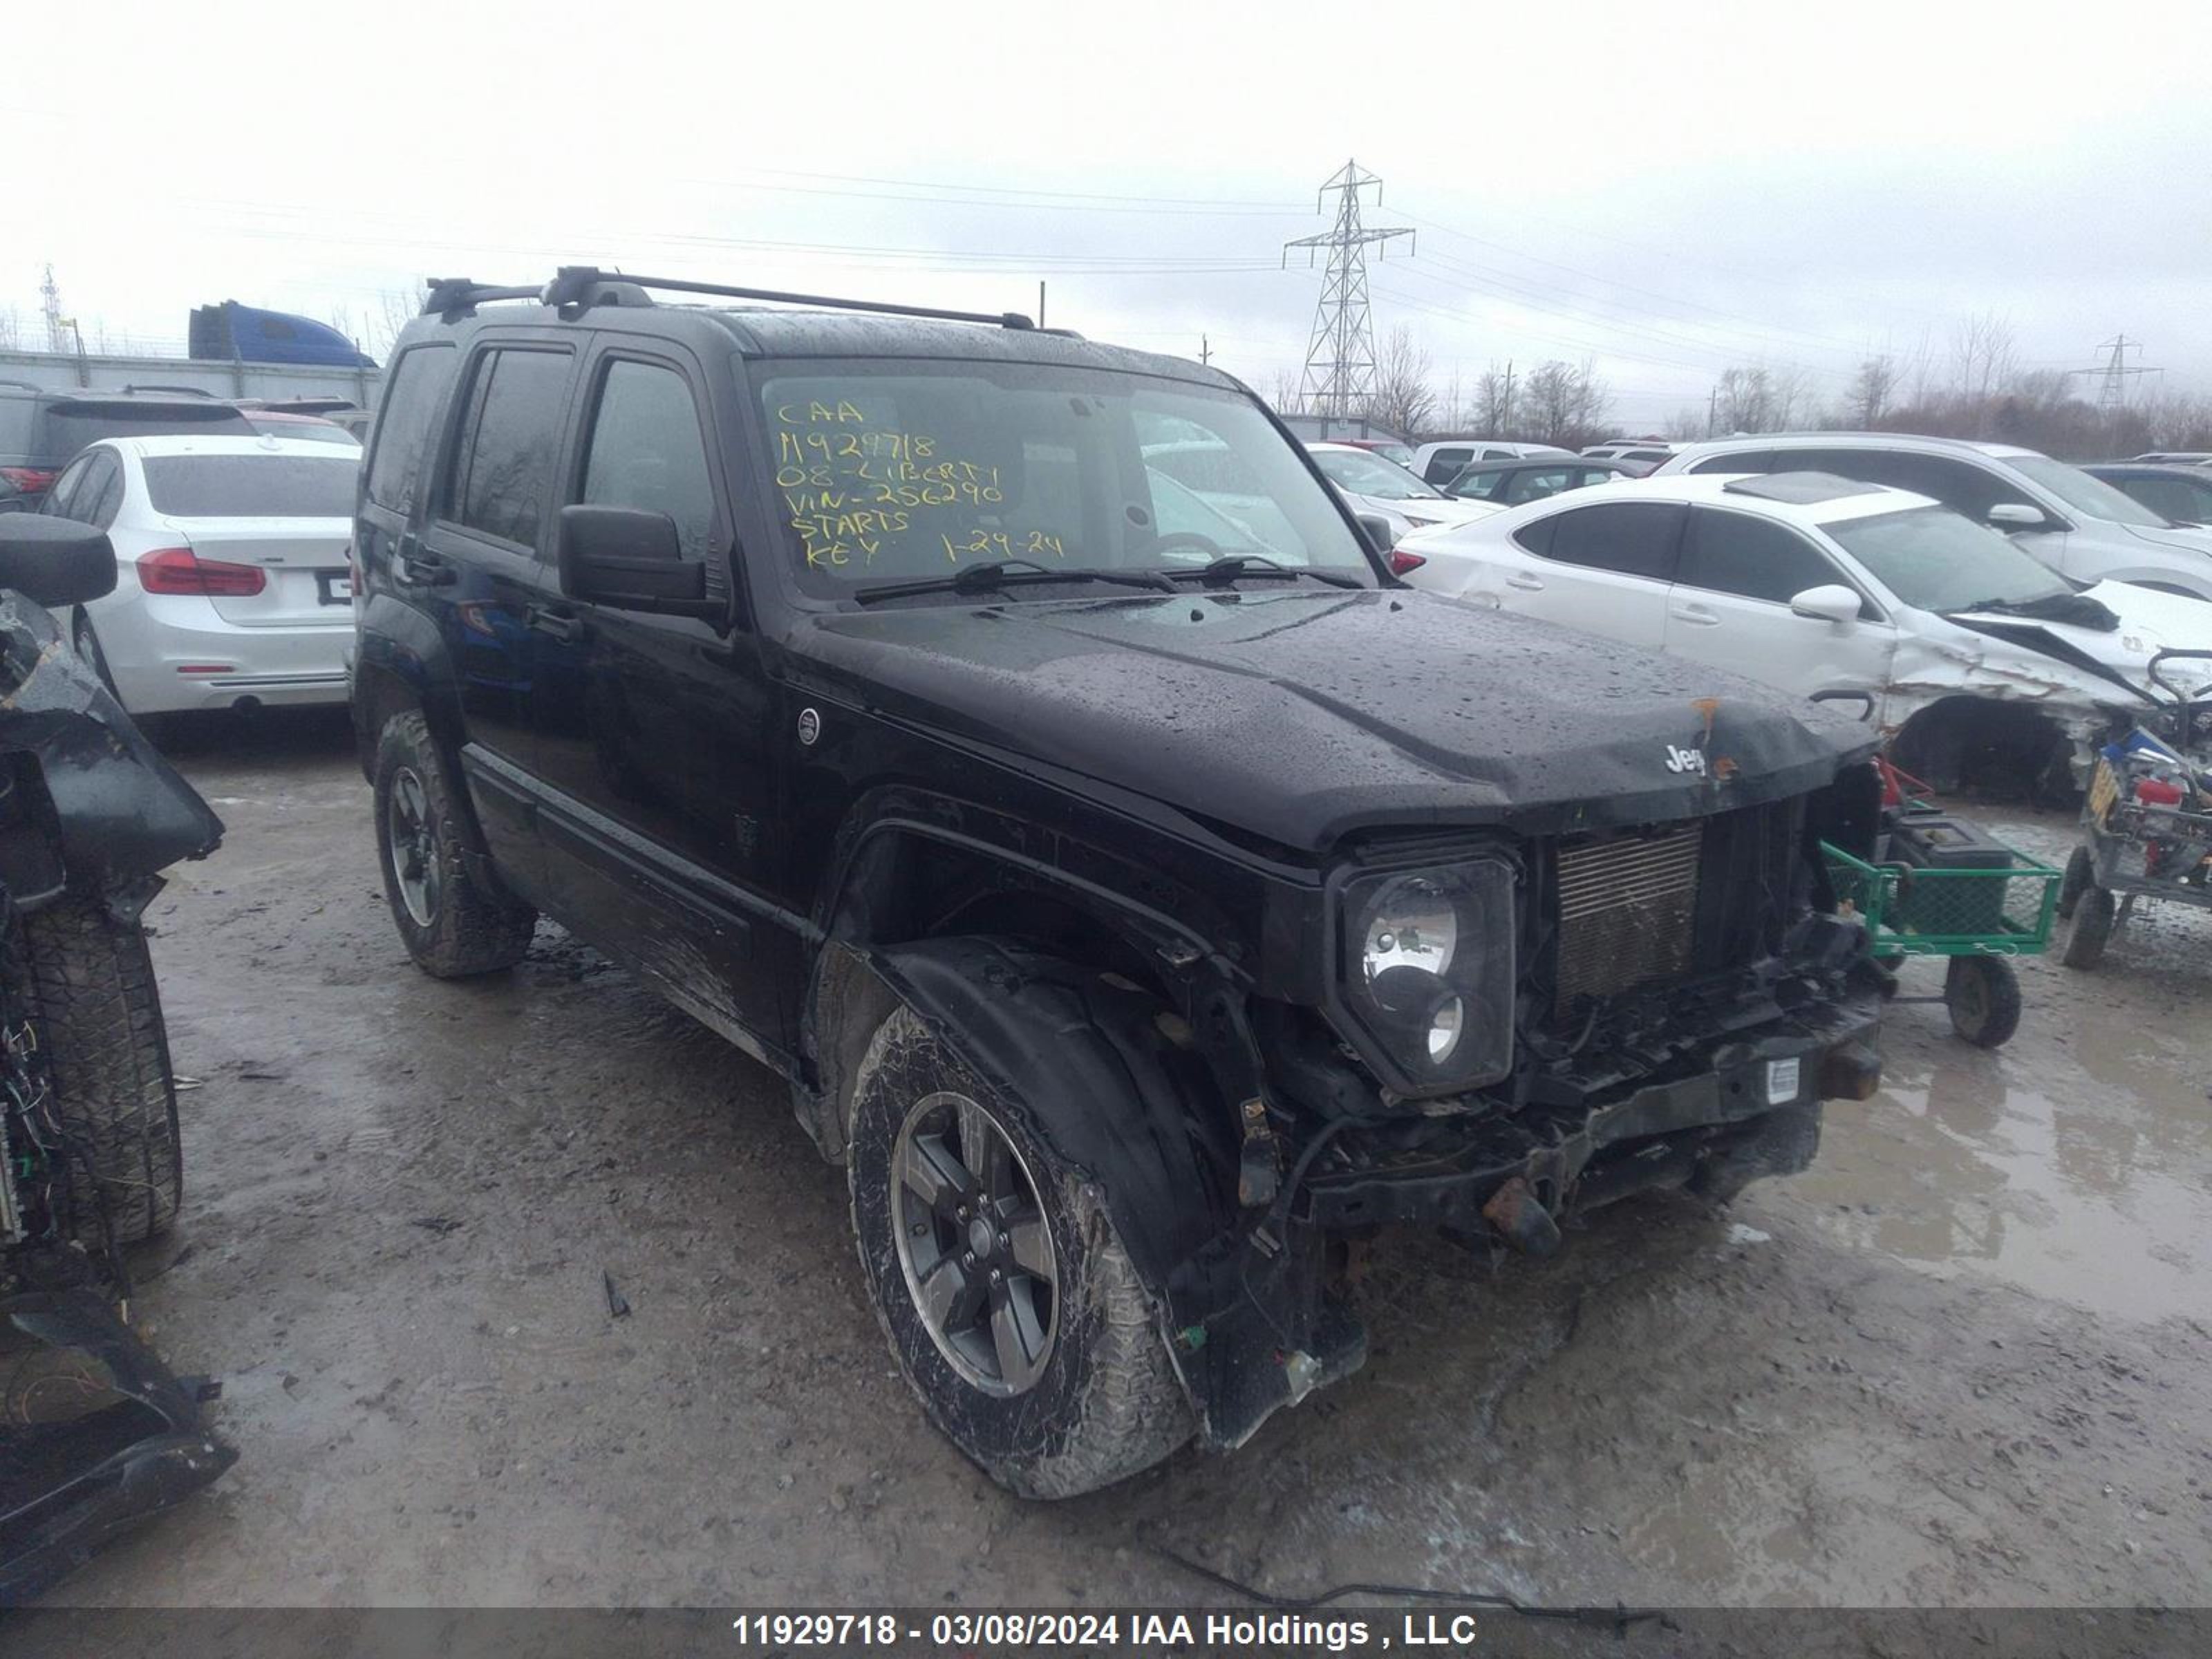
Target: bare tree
{"x":1984,"y":357}
{"x":1872,"y":388}
{"x":1564,"y":404}
{"x":1286,"y":392}
{"x":11,"y":330}
{"x":1403,"y":399}
{"x":1497,"y":411}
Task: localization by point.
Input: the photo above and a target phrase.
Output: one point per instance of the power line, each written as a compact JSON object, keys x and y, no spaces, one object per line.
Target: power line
{"x":1339,"y":371}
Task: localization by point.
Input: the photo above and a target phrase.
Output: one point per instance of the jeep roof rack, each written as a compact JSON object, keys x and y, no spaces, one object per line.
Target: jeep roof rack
{"x":449,"y":295}
{"x":578,"y":286}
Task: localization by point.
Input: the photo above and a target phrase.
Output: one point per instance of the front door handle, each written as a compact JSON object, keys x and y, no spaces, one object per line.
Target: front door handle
{"x":1696,"y":615}
{"x":560,"y":624}
{"x":1526,"y":584}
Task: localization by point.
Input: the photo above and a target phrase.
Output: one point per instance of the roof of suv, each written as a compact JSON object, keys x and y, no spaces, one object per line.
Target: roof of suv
{"x":772,"y":332}
{"x":1800,"y":498}
{"x":1683,"y":452}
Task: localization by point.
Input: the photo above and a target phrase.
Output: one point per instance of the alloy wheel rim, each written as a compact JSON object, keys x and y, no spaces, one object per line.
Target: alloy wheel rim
{"x":414,"y":848}
{"x":974,"y":1246}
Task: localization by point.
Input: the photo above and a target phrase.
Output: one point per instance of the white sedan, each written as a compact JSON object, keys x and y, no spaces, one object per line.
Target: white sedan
{"x":232,"y":579}
{"x":1386,"y":490}
{"x":1968,"y":646}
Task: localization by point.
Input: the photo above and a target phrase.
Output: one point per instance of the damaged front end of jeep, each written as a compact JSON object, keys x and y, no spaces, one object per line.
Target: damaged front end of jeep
{"x":1487,"y":1033}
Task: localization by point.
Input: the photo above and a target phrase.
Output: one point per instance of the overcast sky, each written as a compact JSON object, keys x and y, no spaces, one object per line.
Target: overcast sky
{"x":1668,"y":189}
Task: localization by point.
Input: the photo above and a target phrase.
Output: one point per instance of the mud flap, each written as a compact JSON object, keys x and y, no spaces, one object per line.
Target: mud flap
{"x":96,"y":1436}
{"x":1244,"y":1323}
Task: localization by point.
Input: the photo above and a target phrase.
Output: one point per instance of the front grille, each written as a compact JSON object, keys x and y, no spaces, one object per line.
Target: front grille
{"x":1628,"y":909}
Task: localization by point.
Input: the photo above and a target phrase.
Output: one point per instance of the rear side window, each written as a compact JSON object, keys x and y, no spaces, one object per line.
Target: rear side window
{"x":646,"y":451}
{"x":1753,"y":558}
{"x":251,"y":486}
{"x":1536,"y":483}
{"x":414,"y":394}
{"x":1750,"y":460}
{"x":512,"y":430}
{"x":1480,"y":486}
{"x":15,"y":423}
{"x":1444,"y":463}
{"x":1629,"y":538}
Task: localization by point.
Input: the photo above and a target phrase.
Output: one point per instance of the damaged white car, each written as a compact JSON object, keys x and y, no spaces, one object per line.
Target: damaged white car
{"x":1982,"y":664}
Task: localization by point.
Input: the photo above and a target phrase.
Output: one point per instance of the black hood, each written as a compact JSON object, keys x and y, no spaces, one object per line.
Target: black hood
{"x":1300,"y":715}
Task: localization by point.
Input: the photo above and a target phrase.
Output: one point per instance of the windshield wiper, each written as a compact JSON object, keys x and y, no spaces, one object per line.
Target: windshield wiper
{"x":1007,"y":573}
{"x":1230,"y":565}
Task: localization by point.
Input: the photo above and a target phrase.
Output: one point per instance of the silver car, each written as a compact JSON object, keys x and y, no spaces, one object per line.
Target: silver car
{"x":2079,"y":525}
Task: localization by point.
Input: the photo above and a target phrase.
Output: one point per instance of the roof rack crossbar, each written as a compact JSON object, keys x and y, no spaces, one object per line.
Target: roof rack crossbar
{"x":573,"y":285}
{"x":460,"y":294}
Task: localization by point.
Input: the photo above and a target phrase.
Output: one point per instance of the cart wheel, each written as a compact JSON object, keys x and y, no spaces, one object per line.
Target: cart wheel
{"x":2080,"y":872}
{"x":1983,"y":993}
{"x":2090,"y":928}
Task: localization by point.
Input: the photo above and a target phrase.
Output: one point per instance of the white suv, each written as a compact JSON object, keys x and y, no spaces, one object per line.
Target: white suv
{"x":1970,"y":649}
{"x":2079,"y":525}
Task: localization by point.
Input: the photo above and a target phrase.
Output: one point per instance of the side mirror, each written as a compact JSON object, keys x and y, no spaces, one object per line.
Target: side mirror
{"x":2018,"y":515}
{"x":1834,"y":603}
{"x":1376,"y":528}
{"x":55,"y":562}
{"x":631,"y":558}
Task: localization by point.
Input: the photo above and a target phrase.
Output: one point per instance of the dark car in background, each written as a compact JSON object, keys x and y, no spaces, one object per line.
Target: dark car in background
{"x":1513,"y":483}
{"x":41,"y":429}
{"x":2182,"y":493}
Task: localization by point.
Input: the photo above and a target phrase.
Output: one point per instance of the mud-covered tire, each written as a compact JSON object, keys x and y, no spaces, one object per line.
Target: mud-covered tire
{"x":462,"y":929}
{"x":1983,"y":996}
{"x":1106,"y":1403}
{"x":2080,"y":875}
{"x":88,"y":985}
{"x":2090,"y":929}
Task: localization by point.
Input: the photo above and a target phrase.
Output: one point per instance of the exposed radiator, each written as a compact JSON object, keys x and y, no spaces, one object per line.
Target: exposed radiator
{"x":1627,"y":912}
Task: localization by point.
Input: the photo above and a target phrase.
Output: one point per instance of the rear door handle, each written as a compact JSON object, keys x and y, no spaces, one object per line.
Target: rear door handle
{"x":1697,"y":615}
{"x":561,"y":624}
{"x":1525,"y":582}
{"x":426,"y":569}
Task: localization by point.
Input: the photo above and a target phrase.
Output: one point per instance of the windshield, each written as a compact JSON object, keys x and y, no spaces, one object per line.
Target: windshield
{"x":1939,"y":560}
{"x":251,"y":486}
{"x":1360,"y":473}
{"x":905,"y":470}
{"x":2081,"y":492}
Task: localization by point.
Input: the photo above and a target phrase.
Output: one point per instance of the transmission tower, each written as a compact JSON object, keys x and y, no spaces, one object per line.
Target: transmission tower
{"x":49,"y":302}
{"x":2112,"y":384}
{"x":1340,"y":374}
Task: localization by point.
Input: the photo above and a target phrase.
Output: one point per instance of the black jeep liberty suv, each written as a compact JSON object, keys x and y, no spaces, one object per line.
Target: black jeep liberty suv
{"x":1013,"y":742}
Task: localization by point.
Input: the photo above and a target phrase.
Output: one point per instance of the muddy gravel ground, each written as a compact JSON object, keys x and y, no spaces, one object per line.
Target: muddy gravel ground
{"x":1963,"y":1362}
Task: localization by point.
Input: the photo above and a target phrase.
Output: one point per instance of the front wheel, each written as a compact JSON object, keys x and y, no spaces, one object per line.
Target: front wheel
{"x":1983,"y":995}
{"x":1012,"y":1307}
{"x":87,"y":984}
{"x":450,"y":924}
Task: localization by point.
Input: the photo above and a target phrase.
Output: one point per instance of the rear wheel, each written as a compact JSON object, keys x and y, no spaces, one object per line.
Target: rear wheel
{"x":2089,"y":930}
{"x":1983,"y":995}
{"x":2080,"y":873}
{"x":88,"y":983}
{"x":452,"y":925}
{"x":1013,"y":1310}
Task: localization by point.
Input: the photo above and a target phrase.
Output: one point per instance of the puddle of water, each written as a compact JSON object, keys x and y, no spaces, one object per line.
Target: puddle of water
{"x":2076,"y":1169}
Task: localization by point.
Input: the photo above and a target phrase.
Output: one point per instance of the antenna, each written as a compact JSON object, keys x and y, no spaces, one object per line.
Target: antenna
{"x":1340,"y":372}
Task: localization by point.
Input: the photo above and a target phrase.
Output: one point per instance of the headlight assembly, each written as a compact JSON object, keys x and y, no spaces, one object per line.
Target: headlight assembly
{"x":1429,"y":972}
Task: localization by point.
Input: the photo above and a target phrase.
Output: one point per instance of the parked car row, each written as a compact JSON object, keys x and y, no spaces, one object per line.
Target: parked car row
{"x":1974,"y":646}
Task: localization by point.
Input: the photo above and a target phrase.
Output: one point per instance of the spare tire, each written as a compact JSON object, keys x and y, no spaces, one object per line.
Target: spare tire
{"x":87,"y":985}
